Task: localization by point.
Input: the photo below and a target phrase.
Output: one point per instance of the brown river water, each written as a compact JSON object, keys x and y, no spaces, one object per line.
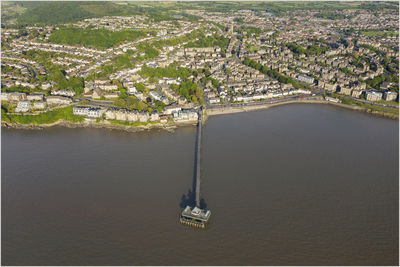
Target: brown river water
{"x":292,"y":185}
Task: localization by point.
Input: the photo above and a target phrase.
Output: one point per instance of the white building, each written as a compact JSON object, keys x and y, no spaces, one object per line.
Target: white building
{"x":23,"y":106}
{"x":46,"y":86}
{"x":39,"y":105}
{"x":13,"y":96}
{"x":389,"y":96}
{"x":214,"y":100}
{"x":155,"y":95}
{"x":95,"y":112}
{"x":80,"y":111}
{"x":154,"y":116}
{"x":305,"y":79}
{"x":58,"y":100}
{"x":132,"y":89}
{"x":332,"y":99}
{"x":373,"y":95}
{"x":187,"y":115}
{"x":300,"y":91}
{"x":108,"y":87}
{"x":172,"y":109}
{"x":63,"y":92}
{"x":36,"y":97}
{"x":90,"y":112}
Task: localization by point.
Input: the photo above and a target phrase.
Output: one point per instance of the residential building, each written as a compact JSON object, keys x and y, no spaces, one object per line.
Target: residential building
{"x":187,"y":115}
{"x":23,"y":106}
{"x":389,"y":96}
{"x":58,"y":100}
{"x":90,"y":112}
{"x":172,"y":109}
{"x":345,"y":90}
{"x":35,"y":97}
{"x":305,"y":79}
{"x":39,"y":105}
{"x":373,"y":95}
{"x":97,"y":93}
{"x":63,"y":93}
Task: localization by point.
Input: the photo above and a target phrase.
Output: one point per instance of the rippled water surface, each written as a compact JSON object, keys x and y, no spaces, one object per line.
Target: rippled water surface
{"x":291,"y":185}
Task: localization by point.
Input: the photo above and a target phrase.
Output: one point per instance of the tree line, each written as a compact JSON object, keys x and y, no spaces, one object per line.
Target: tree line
{"x":97,"y":38}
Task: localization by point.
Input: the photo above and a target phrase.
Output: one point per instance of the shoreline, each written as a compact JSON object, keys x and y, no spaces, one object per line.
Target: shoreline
{"x":171,"y":127}
{"x":233,"y":110}
{"x":97,"y":125}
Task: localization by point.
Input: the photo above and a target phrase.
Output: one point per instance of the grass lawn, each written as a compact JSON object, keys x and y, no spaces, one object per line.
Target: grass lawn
{"x":47,"y":117}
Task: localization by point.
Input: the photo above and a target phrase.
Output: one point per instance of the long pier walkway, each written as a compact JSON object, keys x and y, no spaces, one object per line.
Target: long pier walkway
{"x":198,"y":148}
{"x":196,"y":216}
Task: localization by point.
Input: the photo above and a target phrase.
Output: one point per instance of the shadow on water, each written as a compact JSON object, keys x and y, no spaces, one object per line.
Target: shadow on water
{"x":189,"y":199}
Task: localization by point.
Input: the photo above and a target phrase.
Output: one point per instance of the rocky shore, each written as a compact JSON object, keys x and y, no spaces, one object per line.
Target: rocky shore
{"x":102,"y":125}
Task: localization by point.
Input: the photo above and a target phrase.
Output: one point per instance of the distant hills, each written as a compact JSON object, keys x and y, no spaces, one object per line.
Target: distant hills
{"x":64,"y":12}
{"x":29,"y":13}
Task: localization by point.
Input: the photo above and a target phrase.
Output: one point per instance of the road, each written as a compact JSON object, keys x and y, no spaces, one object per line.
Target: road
{"x":99,"y":103}
{"x":32,"y":69}
{"x":237,"y":51}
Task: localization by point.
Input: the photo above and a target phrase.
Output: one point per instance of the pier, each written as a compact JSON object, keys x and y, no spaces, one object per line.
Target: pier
{"x":196,"y":216}
{"x":198,"y":155}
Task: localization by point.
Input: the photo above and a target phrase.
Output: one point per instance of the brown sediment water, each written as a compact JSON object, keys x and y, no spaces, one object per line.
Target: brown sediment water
{"x":292,"y":185}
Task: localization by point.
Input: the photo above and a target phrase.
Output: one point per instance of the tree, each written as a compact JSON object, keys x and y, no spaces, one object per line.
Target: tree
{"x":122,"y":93}
{"x":160,"y":105}
{"x":199,"y":93}
{"x":140,"y":87}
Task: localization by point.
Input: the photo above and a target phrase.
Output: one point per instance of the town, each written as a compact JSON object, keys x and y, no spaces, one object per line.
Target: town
{"x":146,"y":71}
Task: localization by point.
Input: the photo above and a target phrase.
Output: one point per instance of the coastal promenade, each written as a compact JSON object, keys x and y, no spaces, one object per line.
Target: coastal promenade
{"x":243,"y":107}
